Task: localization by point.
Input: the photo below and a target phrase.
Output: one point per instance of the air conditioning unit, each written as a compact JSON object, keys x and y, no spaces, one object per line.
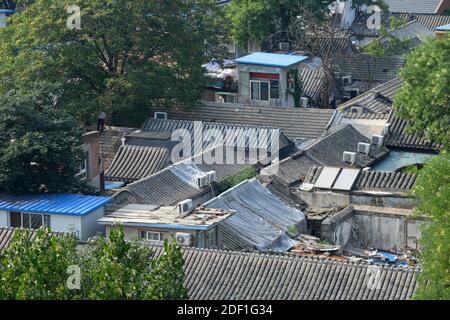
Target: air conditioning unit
{"x":202,"y":181}
{"x":386,"y":129}
{"x":183,"y":239}
{"x":284,"y":46}
{"x":305,"y":102}
{"x":185,"y":206}
{"x":377,"y":139}
{"x":364,"y":148}
{"x":212,"y":176}
{"x":349,"y":157}
{"x":357,"y":110}
{"x":347,"y":80}
{"x":161,"y":115}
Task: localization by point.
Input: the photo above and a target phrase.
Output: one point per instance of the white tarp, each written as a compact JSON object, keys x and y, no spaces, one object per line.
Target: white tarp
{"x":261,"y":218}
{"x":187,"y":171}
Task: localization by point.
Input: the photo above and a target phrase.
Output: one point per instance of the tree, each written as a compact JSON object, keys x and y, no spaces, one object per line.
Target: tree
{"x":433,"y":194}
{"x":127,"y":56}
{"x":425,"y":95}
{"x":109,"y":268}
{"x":41,"y":146}
{"x":37,"y":269}
{"x":258,"y":20}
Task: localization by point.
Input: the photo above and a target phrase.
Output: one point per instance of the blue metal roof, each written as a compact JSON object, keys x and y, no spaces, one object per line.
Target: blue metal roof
{"x":271,"y":59}
{"x":5,"y":11}
{"x":444,"y":28}
{"x":64,"y":204}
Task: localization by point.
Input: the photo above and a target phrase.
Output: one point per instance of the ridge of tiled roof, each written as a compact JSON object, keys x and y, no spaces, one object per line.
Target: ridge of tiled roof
{"x":132,"y":163}
{"x":379,"y":180}
{"x":295,"y":123}
{"x":229,"y":275}
{"x":397,"y":137}
{"x":328,"y":150}
{"x":378,"y":100}
{"x":368,"y":116}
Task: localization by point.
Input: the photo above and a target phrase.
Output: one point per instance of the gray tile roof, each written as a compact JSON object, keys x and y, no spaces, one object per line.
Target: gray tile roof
{"x":165,"y":188}
{"x":414,"y":6}
{"x":247,"y":135}
{"x":227,"y":275}
{"x":430,"y":21}
{"x":294,"y":168}
{"x":367,"y":68}
{"x":328,"y":150}
{"x":133,"y":163}
{"x":295,"y":123}
{"x":378,"y":180}
{"x":313,"y":83}
{"x":397,"y":137}
{"x":377,"y":100}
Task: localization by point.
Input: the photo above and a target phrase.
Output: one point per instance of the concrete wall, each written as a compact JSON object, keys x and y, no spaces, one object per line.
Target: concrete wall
{"x":323,"y":199}
{"x":389,"y":200}
{"x":372,"y":229}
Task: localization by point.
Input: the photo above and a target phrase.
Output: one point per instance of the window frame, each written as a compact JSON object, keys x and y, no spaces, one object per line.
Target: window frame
{"x":259,"y":90}
{"x":147,"y":232}
{"x":45,"y":220}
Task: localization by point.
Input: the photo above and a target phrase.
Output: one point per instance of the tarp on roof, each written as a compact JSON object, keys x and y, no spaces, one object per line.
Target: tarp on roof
{"x":261,"y":218}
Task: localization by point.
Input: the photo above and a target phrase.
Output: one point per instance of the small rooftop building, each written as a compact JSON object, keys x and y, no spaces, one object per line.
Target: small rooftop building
{"x":264,"y":78}
{"x":59,"y":212}
{"x":196,"y":228}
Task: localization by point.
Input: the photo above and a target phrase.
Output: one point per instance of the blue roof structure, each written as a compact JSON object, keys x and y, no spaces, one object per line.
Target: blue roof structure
{"x":271,"y":59}
{"x":64,"y":204}
{"x":6,"y":11}
{"x":444,"y":28}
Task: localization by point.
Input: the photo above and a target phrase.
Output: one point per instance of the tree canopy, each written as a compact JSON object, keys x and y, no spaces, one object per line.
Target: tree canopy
{"x":425,"y":95}
{"x":433,"y":194}
{"x":41,"y":146}
{"x":109,"y":268}
{"x":127,"y":55}
{"x":256,"y":20}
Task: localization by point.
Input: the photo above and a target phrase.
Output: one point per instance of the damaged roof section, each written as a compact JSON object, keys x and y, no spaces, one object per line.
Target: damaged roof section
{"x":261,"y":220}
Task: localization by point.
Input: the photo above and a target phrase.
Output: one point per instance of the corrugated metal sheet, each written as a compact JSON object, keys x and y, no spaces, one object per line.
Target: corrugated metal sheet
{"x":327,"y":177}
{"x":346,"y":179}
{"x":65,"y":204}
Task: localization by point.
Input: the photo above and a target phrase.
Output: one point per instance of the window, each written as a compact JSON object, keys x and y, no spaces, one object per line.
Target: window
{"x":84,"y":168}
{"x":275,"y":89}
{"x":259,"y":90}
{"x":153,"y":236}
{"x":29,"y":220}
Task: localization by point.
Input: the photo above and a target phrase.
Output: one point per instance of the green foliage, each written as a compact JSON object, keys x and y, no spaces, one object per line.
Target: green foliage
{"x":128,"y":55}
{"x":425,"y":95}
{"x":415,"y":169}
{"x":256,"y":20}
{"x":110,"y":268}
{"x":433,"y":193}
{"x":41,"y":146}
{"x":167,"y":276}
{"x":37,"y":269}
{"x":237,"y":178}
{"x":297,"y":90}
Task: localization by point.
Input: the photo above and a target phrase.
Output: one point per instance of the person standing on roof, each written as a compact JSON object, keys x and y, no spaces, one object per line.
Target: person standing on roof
{"x":101,"y":121}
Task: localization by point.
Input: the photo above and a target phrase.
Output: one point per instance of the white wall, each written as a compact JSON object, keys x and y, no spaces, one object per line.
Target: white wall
{"x":4,"y":220}
{"x":90,"y":226}
{"x":61,"y":223}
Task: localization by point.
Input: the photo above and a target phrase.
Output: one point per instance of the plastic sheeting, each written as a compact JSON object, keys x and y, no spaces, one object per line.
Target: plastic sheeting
{"x":187,"y":171}
{"x":261,"y":218}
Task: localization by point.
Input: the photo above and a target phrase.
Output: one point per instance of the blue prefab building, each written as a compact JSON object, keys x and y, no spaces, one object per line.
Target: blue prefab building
{"x":59,"y":212}
{"x":265,"y":79}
